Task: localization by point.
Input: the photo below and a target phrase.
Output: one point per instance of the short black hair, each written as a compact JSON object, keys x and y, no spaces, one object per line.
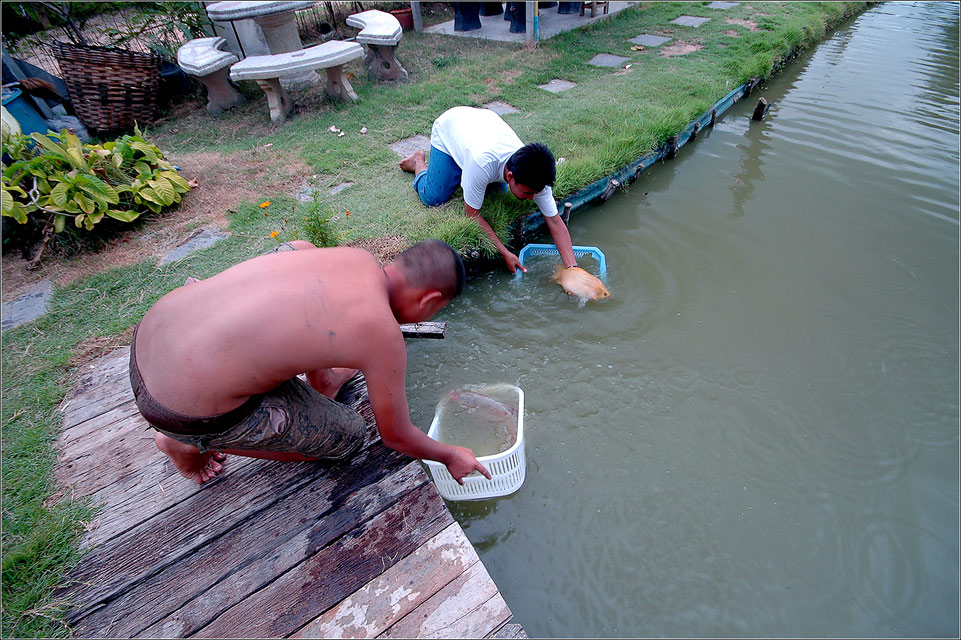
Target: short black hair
{"x":433,"y":264}
{"x":533,"y":166}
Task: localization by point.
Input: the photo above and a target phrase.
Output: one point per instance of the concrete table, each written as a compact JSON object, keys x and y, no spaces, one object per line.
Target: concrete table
{"x":276,"y":19}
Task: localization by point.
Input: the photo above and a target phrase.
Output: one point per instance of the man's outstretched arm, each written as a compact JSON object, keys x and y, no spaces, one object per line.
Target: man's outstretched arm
{"x":513,"y":263}
{"x":562,"y":239}
{"x":388,"y":398}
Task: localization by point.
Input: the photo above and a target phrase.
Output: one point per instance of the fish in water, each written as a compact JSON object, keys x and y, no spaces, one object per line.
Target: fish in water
{"x":479,"y":422}
{"x":473,"y":400}
{"x":579,"y":283}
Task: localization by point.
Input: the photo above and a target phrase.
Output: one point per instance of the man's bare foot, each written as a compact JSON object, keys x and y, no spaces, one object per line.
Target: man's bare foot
{"x":329,"y":381}
{"x":193,"y":465}
{"x":415,"y":163}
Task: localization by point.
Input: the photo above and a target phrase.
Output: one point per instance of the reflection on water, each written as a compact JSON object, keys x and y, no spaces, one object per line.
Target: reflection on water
{"x":757,"y":435}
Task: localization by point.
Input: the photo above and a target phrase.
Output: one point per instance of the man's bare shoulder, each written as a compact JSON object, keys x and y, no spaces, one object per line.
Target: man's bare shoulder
{"x":356,"y":258}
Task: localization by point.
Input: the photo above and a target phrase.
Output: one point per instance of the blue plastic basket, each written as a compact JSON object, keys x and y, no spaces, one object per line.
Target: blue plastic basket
{"x":551,"y":250}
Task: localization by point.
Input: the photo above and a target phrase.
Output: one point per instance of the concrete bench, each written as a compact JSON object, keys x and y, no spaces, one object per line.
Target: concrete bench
{"x":381,"y":33}
{"x":205,"y":59}
{"x":266,"y":70}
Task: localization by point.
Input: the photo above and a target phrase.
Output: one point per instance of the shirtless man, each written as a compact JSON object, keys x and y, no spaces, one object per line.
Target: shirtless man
{"x":213,"y":364}
{"x":473,"y":148}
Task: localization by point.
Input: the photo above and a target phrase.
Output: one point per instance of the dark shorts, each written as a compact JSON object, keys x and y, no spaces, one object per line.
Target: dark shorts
{"x":293,"y":417}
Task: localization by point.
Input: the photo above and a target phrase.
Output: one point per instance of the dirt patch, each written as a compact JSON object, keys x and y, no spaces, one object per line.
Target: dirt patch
{"x":223,"y":182}
{"x":734,"y":33}
{"x":680,"y":49}
{"x":383,"y":249}
{"x":494,"y":85}
{"x":97,"y":347}
{"x":750,"y":24}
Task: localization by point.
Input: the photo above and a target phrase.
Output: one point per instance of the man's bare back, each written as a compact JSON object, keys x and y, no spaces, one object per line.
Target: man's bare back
{"x":215,"y":345}
{"x":204,"y":349}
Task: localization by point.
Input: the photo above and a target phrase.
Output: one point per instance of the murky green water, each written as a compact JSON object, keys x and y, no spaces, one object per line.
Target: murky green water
{"x":758,"y":434}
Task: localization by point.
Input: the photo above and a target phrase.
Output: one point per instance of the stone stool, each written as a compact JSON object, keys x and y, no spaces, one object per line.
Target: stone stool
{"x":466,"y":16}
{"x":380,"y":33}
{"x":204,"y":59}
{"x":516,"y":12}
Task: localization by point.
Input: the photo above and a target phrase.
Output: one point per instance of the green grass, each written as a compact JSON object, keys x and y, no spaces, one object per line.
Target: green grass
{"x":604,"y":123}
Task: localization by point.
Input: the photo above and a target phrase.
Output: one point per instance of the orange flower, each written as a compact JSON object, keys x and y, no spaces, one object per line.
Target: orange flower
{"x":265,"y":204}
{"x":274,"y":234}
{"x":348,"y":214}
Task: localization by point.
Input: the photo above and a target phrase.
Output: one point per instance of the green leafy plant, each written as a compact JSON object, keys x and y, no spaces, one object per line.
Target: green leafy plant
{"x":319,"y":224}
{"x":58,"y":178}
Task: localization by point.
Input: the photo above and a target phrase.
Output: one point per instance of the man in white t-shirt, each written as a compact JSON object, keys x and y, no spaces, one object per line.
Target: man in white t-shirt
{"x":473,"y":148}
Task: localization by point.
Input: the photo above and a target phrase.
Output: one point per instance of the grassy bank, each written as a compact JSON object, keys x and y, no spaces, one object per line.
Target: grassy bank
{"x":605,"y":122}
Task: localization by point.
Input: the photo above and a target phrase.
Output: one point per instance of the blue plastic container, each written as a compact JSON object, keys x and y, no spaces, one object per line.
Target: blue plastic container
{"x":551,"y":250}
{"x":26,"y":114}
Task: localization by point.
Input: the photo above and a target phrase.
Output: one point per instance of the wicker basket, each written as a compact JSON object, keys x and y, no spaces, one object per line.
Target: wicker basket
{"x":110,"y":89}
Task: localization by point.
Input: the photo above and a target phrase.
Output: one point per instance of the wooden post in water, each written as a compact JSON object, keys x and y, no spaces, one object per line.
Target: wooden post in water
{"x":609,"y":191}
{"x":760,"y":110}
{"x":671,"y":147}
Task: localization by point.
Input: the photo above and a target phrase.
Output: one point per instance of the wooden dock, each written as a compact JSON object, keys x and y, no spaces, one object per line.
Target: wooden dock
{"x":365,"y":548}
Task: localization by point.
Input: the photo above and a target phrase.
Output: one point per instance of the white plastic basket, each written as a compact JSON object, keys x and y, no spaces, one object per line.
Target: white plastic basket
{"x":507,"y":468}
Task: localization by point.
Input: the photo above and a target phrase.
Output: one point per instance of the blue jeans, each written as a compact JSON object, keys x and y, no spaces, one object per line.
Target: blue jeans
{"x":437,"y":183}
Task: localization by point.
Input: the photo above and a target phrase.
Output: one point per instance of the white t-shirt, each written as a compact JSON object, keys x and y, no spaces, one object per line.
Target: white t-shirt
{"x":481,"y":143}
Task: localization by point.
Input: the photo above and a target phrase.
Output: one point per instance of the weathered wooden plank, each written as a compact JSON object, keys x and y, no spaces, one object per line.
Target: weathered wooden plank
{"x":509,"y":631}
{"x":81,"y":431}
{"x":468,"y":607}
{"x":184,"y":596}
{"x":138,"y":497}
{"x":111,"y":568}
{"x":424,"y":329}
{"x":332,"y":574}
{"x":117,"y":461}
{"x":396,"y":592}
{"x":109,"y":366}
{"x":118,"y":451}
{"x":104,"y":387}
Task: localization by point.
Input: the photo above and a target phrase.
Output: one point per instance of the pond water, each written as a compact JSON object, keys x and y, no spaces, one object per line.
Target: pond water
{"x":758,"y":434}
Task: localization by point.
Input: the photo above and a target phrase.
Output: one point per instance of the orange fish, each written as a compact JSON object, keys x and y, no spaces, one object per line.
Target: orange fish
{"x":577,"y":282}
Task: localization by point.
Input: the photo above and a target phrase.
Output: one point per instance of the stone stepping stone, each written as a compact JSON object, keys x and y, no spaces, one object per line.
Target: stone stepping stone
{"x":500,"y":108}
{"x":307,"y":192}
{"x":690,"y":21}
{"x":556,"y":86}
{"x":27,"y":307}
{"x":343,"y":185}
{"x":204,"y":238}
{"x":406,"y":147}
{"x":649,"y":40}
{"x":723,"y":5}
{"x":607,"y":60}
